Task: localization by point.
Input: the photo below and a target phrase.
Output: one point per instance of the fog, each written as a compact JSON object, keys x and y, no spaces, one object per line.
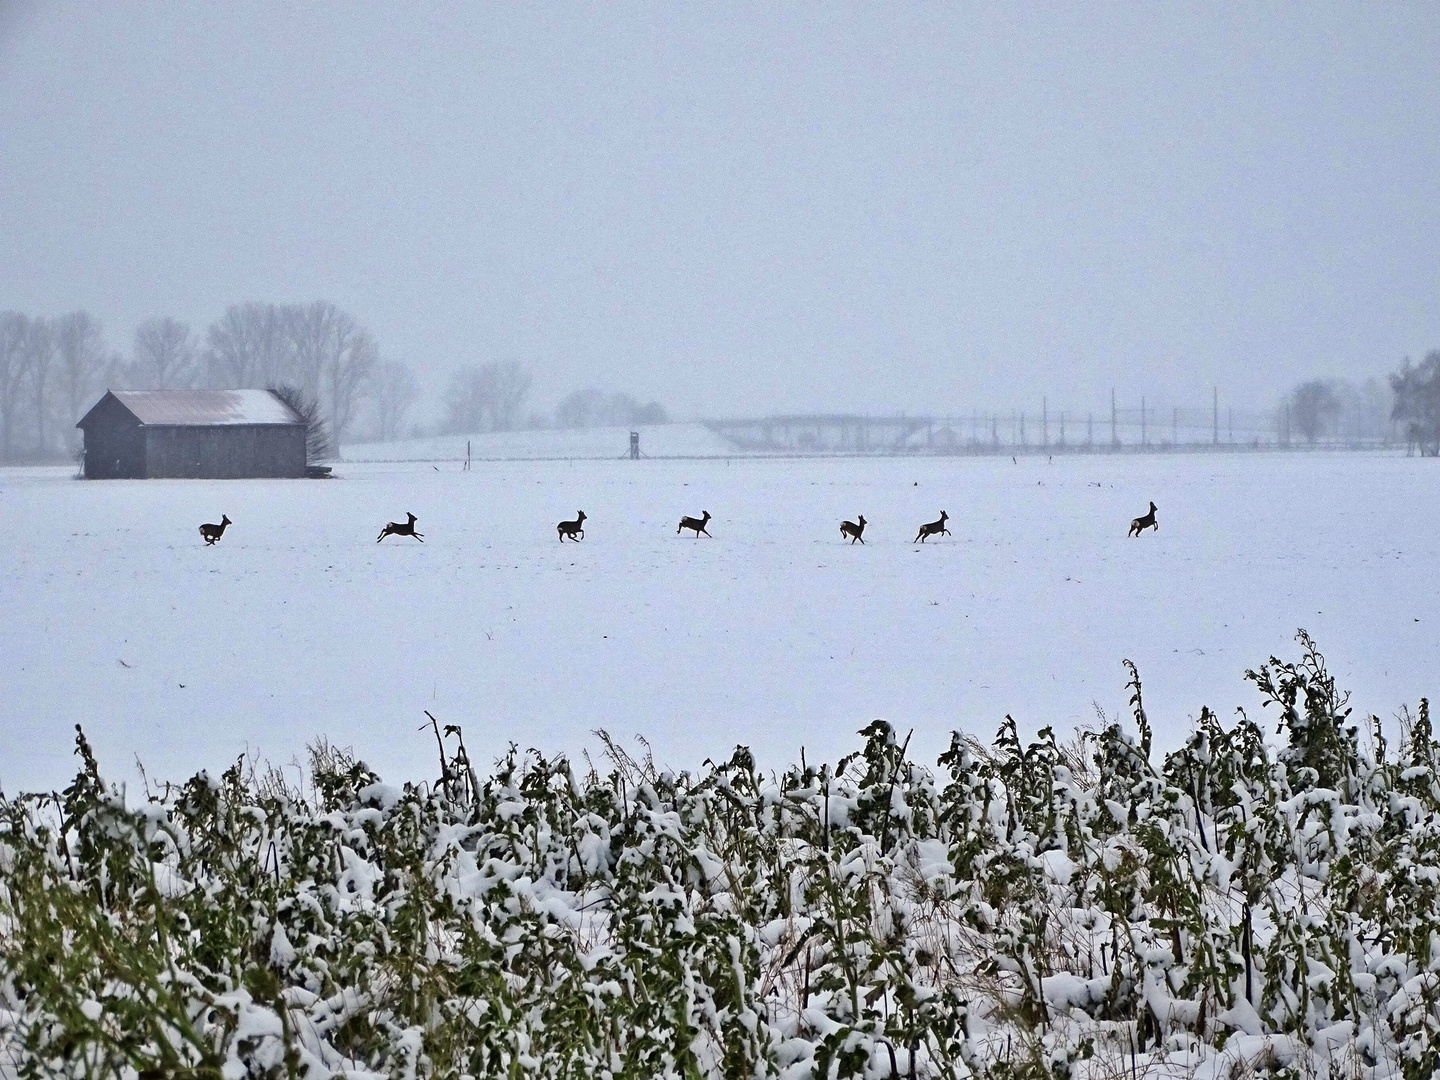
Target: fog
{"x":741,"y":210}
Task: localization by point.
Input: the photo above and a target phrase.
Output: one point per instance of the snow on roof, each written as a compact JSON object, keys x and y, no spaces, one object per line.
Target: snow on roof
{"x":206,"y":407}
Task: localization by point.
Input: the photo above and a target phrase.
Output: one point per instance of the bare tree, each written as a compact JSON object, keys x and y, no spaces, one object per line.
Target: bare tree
{"x":581,"y":409}
{"x":14,"y":360}
{"x":394,"y":391}
{"x":248,"y":347}
{"x":40,"y":363}
{"x":468,"y":397}
{"x":512,"y":384}
{"x":597,"y":408}
{"x":1313,"y":406}
{"x":80,"y":349}
{"x":164,"y":355}
{"x":347,"y":379}
{"x":318,"y":333}
{"x":486,"y":397}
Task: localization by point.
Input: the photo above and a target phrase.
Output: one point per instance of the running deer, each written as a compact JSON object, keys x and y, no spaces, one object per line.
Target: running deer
{"x":212,"y":533}
{"x":853,"y":530}
{"x":698,"y":524}
{"x":1145,"y":521}
{"x":401,"y":528}
{"x":935,"y":528}
{"x":573,"y":529}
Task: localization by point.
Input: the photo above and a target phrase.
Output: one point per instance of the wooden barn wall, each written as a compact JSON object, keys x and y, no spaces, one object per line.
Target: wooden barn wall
{"x":226,"y":452}
{"x":114,"y":446}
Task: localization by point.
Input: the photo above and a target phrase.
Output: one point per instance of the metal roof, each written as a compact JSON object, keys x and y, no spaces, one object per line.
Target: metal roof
{"x":206,"y":408}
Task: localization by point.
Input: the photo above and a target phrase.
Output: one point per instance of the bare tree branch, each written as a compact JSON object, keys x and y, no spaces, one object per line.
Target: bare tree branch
{"x":395,"y":391}
{"x":164,"y":355}
{"x":14,"y":361}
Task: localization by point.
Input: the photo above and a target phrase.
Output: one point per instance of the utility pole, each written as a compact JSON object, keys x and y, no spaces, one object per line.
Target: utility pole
{"x":1215,"y":412}
{"x":1114,"y":429}
{"x":1062,"y":428}
{"x":1175,"y":427}
{"x":1142,"y":420}
{"x":1090,"y":430}
{"x":1045,"y":423}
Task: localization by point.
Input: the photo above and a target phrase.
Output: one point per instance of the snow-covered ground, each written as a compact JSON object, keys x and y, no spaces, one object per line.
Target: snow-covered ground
{"x":663,"y":440}
{"x":775,"y":633}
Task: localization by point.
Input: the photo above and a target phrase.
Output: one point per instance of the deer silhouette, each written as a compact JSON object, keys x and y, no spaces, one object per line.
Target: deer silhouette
{"x":212,"y":533}
{"x":698,"y":524}
{"x":853,"y":530}
{"x":934,"y":528}
{"x":401,"y":528}
{"x":573,"y":529}
{"x":1143,"y":522}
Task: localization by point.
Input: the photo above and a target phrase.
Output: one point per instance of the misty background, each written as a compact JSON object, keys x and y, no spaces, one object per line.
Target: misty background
{"x":466,"y":218}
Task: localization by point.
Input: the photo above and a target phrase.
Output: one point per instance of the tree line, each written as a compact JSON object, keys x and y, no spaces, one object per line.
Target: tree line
{"x":53,"y":369}
{"x":491,"y":397}
{"x":1371,"y":411}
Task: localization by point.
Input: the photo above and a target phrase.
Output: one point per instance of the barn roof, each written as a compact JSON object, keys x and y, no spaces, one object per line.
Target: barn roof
{"x":204,"y":408}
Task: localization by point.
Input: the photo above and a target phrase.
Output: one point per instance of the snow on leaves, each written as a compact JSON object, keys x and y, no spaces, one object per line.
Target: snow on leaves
{"x":1051,"y":909}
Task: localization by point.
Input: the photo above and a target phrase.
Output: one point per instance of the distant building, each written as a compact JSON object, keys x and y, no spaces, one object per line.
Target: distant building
{"x":200,"y":434}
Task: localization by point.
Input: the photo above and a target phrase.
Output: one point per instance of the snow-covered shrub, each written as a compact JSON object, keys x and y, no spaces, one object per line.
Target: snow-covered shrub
{"x":1054,"y":909}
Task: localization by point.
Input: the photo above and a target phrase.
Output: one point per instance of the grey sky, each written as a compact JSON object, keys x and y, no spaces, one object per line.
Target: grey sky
{"x":739,"y":209}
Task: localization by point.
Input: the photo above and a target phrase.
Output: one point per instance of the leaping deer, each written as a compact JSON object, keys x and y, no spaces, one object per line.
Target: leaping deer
{"x":698,"y":524}
{"x":853,"y":530}
{"x":401,"y":528}
{"x":1143,"y":522}
{"x":212,"y":533}
{"x":573,"y":529}
{"x":934,"y":528}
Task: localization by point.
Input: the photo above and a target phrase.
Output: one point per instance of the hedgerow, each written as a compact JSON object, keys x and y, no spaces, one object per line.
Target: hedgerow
{"x":1052,"y":909}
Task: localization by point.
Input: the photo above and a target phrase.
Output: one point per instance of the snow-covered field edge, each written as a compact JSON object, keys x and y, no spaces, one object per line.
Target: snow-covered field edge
{"x":698,"y":441}
{"x":1066,"y":908}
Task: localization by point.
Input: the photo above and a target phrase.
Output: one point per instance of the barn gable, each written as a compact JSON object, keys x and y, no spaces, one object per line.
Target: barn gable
{"x":204,"y":434}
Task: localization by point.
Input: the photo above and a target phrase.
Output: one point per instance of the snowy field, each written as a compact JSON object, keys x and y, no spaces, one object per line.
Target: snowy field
{"x":774,"y":633}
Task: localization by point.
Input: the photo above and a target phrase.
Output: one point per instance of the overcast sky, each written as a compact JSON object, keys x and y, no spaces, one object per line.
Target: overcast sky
{"x":740,"y":209}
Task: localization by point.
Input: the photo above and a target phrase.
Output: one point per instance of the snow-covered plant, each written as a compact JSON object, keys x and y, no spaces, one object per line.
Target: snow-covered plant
{"x":1029,"y":909}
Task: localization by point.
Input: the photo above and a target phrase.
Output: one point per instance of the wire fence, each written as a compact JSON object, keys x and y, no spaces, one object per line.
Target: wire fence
{"x":1136,"y":427}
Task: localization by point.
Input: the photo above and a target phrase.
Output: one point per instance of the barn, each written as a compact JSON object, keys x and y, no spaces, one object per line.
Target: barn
{"x":199,"y":434}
